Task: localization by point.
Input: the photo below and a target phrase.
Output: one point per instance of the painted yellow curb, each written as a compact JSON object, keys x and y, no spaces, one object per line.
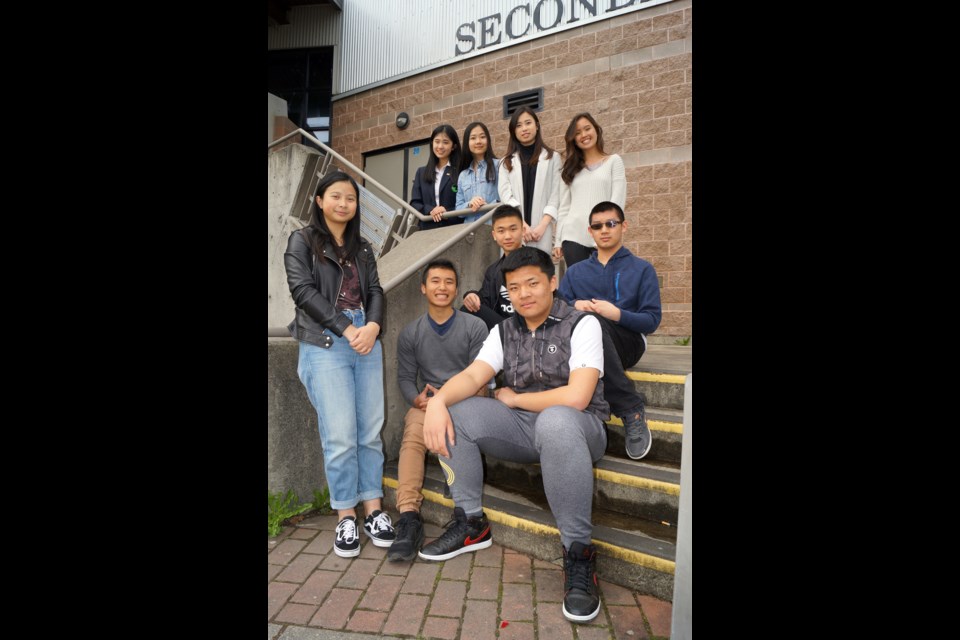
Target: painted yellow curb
{"x":669,"y":378}
{"x":635,"y":557}
{"x":621,"y":553}
{"x":633,"y":481}
{"x":601,"y":474}
{"x":655,"y":425}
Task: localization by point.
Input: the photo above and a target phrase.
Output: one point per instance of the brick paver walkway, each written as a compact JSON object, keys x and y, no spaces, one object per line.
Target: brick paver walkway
{"x":313,"y":594}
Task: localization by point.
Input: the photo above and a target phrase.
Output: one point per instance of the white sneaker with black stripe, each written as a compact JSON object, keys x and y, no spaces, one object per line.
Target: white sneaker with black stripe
{"x":347,"y":542}
{"x":379,"y":528}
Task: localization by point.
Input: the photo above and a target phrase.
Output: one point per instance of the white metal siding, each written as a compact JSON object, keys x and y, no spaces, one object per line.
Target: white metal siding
{"x":388,"y":38}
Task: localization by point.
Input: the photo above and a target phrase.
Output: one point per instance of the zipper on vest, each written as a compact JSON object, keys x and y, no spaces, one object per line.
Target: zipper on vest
{"x":537,"y":374}
{"x":516,"y":368}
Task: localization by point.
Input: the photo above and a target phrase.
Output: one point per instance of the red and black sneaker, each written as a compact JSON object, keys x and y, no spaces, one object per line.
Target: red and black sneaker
{"x":462,"y":535}
{"x":581,"y":600}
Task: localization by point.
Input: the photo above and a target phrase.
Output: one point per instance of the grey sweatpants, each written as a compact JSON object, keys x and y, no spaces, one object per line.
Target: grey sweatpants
{"x":565,"y":442}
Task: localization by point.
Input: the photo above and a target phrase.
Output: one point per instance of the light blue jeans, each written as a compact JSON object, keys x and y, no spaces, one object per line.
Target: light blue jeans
{"x":346,"y":389}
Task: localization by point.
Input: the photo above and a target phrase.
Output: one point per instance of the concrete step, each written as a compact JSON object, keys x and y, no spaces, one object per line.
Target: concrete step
{"x":666,"y":427}
{"x":635,"y":502}
{"x":626,"y":555}
{"x":660,"y":374}
{"x":624,"y":491}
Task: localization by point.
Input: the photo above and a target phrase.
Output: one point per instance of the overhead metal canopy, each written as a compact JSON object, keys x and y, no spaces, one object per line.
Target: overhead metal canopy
{"x":278,"y":10}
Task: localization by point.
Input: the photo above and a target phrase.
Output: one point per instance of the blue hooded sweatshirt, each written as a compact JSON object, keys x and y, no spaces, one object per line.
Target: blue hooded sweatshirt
{"x":627,"y":281}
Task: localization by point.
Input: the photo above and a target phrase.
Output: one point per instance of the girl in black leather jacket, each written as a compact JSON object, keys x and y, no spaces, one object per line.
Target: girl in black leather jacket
{"x":332,"y":274}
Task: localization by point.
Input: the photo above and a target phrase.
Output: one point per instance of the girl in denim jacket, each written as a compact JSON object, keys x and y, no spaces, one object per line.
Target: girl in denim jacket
{"x":479,"y":169}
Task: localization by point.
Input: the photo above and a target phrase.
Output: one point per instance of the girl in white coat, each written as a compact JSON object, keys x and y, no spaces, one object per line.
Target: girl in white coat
{"x":530,"y":179}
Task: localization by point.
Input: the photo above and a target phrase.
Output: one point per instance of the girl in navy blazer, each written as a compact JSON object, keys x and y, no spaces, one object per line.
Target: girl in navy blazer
{"x":435,"y":185}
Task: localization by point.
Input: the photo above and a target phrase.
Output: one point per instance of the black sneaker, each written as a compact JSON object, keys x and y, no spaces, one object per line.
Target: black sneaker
{"x":409,"y":537}
{"x":378,"y":528}
{"x":347,"y":543}
{"x":581,"y":601}
{"x":462,"y":535}
{"x":637,"y":434}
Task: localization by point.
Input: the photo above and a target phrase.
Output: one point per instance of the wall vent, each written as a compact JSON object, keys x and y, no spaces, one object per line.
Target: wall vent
{"x":515,"y":101}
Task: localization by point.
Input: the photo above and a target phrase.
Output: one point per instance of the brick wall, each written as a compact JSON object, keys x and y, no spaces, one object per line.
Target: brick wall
{"x":632,"y":73}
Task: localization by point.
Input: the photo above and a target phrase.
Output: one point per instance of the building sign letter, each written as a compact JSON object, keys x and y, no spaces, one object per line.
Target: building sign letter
{"x":592,"y":8}
{"x":491,"y":29}
{"x":614,"y":6}
{"x":463,"y":37}
{"x":509,"y":22}
{"x":536,"y":15}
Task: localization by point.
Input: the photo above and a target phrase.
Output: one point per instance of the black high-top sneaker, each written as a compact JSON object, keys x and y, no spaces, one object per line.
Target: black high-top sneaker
{"x":462,"y":535}
{"x":409,"y":532}
{"x":581,"y":597}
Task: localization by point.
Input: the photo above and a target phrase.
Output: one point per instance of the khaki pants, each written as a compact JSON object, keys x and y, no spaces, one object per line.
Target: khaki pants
{"x":410,"y":468}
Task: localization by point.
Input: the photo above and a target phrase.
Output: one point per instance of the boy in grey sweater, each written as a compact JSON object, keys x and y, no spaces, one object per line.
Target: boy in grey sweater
{"x":436,"y":346}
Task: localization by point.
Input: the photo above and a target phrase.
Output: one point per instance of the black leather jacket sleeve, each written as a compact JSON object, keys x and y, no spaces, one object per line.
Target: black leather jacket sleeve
{"x":314,"y":296}
{"x":315,"y":285}
{"x":370,"y":285}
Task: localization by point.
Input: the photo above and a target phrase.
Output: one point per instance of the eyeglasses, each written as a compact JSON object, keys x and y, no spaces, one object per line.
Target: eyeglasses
{"x":596,"y":226}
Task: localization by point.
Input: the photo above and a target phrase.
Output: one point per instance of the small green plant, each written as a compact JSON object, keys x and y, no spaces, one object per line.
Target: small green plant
{"x":682,"y":341}
{"x":280,"y":507}
{"x":321,"y":501}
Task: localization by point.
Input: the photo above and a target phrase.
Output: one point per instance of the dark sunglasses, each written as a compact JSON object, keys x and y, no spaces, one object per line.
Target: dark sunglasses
{"x":596,"y":226}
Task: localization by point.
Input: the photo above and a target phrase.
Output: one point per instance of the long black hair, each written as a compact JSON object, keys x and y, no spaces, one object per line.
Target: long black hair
{"x":489,"y":157}
{"x":351,"y":235}
{"x":431,"y":169}
{"x":513,"y":145}
{"x":575,"y":160}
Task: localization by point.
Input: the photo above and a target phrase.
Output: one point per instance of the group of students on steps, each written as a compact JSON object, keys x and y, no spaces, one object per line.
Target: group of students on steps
{"x":562,"y":345}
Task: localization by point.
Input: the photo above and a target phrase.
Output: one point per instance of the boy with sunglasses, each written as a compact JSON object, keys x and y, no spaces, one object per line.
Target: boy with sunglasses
{"x":622,"y":290}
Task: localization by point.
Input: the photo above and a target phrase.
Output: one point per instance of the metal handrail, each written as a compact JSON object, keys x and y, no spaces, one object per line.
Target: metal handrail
{"x":443,"y":246}
{"x":487,"y":211}
{"x":367,"y":178}
{"x":282,"y":332}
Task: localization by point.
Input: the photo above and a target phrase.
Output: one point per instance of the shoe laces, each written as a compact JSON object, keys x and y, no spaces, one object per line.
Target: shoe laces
{"x":634,"y":426}
{"x":401,"y":527}
{"x":455,"y":529}
{"x":381,"y":522}
{"x":347,"y":530}
{"x":579,"y":573}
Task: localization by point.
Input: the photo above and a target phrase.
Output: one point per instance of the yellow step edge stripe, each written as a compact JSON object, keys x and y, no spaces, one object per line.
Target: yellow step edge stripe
{"x":621,"y":553}
{"x":655,"y":425}
{"x":601,"y":474}
{"x":640,"y":483}
{"x":635,"y":557}
{"x":669,"y":378}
